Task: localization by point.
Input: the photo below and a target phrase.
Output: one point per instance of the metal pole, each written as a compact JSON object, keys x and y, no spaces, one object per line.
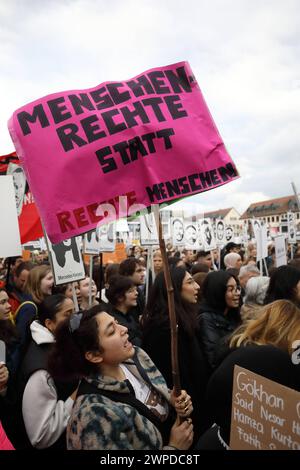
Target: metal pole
{"x":296,"y":195}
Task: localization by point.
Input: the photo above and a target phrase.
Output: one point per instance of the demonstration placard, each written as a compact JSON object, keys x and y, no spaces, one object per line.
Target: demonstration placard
{"x":91,"y":243}
{"x":149,"y":234}
{"x":265,"y":415}
{"x":177,"y":231}
{"x":220,"y":232}
{"x":150,"y":139}
{"x":207,"y":234}
{"x":10,"y":244}
{"x":191,"y":236}
{"x":291,"y":227}
{"x":107,"y":237}
{"x":229,"y":233}
{"x":29,"y":219}
{"x":66,"y":260}
{"x":280,"y":251}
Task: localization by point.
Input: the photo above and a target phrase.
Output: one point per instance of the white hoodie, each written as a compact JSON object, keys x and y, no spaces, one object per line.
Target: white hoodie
{"x":45,"y":417}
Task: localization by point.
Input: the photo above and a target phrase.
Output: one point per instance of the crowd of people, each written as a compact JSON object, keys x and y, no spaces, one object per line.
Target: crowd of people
{"x":99,"y":377}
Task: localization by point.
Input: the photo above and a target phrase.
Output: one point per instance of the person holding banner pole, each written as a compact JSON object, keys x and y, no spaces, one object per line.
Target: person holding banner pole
{"x":90,"y":281}
{"x":122,"y":401}
{"x":158,"y":339}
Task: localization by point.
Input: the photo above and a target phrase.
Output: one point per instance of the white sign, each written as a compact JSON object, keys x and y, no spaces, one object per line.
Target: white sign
{"x":220,"y":232}
{"x":191,"y":236}
{"x":261,"y":237}
{"x":10,"y":244}
{"x":107,"y":237}
{"x":19,"y":184}
{"x":207,"y":235}
{"x":229,"y":233}
{"x":245,"y":236}
{"x":149,"y":234}
{"x":66,"y":260}
{"x":291,"y":228}
{"x":280,"y":251}
{"x":91,"y":243}
{"x":177,"y":231}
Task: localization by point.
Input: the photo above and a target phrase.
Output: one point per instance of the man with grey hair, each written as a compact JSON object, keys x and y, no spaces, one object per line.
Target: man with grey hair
{"x":246,"y":272}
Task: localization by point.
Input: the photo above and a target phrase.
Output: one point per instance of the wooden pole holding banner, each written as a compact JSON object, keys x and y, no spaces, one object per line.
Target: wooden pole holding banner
{"x":171,"y":305}
{"x":91,"y":280}
{"x":101,"y":276}
{"x":148,"y":267}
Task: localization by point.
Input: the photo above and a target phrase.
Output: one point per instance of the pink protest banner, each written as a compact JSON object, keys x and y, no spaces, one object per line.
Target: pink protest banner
{"x":150,"y":138}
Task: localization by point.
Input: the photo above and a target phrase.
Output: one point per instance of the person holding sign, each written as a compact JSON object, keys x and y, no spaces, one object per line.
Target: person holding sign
{"x":122,"y":401}
{"x":157,"y":337}
{"x":263,"y":346}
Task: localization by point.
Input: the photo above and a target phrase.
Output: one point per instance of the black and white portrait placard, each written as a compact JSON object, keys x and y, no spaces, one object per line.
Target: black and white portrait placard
{"x":66,"y":260}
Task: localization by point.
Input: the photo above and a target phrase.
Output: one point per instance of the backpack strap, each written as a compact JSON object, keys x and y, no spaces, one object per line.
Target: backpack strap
{"x":27,"y":302}
{"x":86,"y":388}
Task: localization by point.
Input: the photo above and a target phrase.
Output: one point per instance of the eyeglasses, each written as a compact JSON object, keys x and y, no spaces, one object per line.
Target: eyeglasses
{"x":233,"y":289}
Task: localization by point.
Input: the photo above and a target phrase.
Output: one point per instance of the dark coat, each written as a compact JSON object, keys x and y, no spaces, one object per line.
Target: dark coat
{"x":214,"y":327}
{"x":128,"y":320}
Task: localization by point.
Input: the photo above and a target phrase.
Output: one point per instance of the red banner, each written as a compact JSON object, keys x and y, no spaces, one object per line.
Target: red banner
{"x":29,"y":219}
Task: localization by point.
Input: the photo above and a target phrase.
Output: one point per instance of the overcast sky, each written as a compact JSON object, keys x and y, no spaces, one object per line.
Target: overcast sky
{"x":244,"y":54}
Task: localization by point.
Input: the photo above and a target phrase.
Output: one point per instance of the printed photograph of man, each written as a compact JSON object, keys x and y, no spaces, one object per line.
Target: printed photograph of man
{"x":206,"y":232}
{"x":190,"y":234}
{"x":220,"y":231}
{"x":229,"y":233}
{"x":177,"y":230}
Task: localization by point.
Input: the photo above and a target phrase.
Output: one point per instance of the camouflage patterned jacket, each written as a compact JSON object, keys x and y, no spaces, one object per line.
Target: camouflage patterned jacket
{"x":99,"y":423}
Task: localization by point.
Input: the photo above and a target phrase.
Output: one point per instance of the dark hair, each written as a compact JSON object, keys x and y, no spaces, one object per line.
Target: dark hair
{"x":25,"y":265}
{"x":214,"y":289}
{"x":118,"y":286}
{"x":173,"y":261}
{"x":67,"y":359}
{"x":8,"y":332}
{"x":199,"y":268}
{"x":156,"y":312}
{"x":202,"y":254}
{"x":12,"y":259}
{"x":60,"y":289}
{"x":49,"y":307}
{"x":110,"y":270}
{"x":199,"y":277}
{"x":128,"y":266}
{"x":234,"y":272}
{"x":283,"y":282}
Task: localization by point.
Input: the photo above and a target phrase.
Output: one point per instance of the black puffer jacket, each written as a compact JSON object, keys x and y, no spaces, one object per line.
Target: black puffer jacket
{"x":214,"y":327}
